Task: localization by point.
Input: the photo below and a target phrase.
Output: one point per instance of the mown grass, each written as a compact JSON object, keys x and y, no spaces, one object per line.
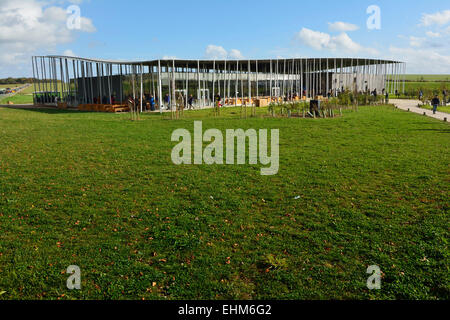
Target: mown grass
{"x":424,"y":77}
{"x":427,"y":77}
{"x":18,"y":99}
{"x":434,"y":86}
{"x":428,"y":88}
{"x":12,"y":86}
{"x":99,"y":191}
{"x":23,"y":97}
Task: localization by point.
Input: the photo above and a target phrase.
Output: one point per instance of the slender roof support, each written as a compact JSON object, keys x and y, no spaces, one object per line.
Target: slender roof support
{"x":159,"y":87}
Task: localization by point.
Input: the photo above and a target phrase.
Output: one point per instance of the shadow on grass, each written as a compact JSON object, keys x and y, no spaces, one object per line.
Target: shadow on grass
{"x":434,"y":130}
{"x":46,"y":110}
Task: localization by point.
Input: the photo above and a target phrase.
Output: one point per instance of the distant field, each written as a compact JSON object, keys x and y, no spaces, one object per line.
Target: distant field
{"x":28,"y":90}
{"x":3,"y":86}
{"x":427,"y":86}
{"x":427,"y":77}
{"x":18,"y":99}
{"x":23,"y":97}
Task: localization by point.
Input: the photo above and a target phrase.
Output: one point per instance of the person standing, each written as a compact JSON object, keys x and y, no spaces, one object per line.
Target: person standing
{"x":218,"y":99}
{"x":190,"y":102}
{"x":167,"y":101}
{"x":132,"y":107}
{"x":180,"y":102}
{"x":435,"y":103}
{"x":152,"y":103}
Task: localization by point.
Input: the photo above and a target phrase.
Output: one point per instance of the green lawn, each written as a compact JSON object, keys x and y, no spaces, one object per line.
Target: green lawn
{"x":425,"y":77}
{"x":12,"y":86}
{"x":23,"y":97}
{"x":18,"y":99}
{"x":434,"y":86}
{"x":429,"y":89}
{"x":99,"y":191}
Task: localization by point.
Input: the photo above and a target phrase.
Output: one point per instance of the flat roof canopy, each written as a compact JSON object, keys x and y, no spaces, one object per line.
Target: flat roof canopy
{"x":263,"y":65}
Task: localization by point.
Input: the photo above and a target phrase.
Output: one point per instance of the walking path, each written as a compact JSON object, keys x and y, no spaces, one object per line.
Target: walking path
{"x":412,"y":106}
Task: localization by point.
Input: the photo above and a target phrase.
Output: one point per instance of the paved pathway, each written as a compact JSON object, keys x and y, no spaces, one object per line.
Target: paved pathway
{"x":412,"y":106}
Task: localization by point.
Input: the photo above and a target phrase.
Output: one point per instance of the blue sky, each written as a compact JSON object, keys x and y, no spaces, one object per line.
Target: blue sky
{"x":413,"y":31}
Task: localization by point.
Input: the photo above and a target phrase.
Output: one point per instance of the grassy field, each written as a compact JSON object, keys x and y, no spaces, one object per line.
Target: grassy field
{"x":99,"y":191}
{"x":425,"y":77}
{"x":429,"y":84}
{"x":12,"y":86}
{"x":429,"y":89}
{"x":23,"y":97}
{"x":435,"y":86}
{"x":18,"y":99}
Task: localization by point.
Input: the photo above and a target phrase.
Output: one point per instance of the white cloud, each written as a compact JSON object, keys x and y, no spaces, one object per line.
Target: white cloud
{"x":314,"y":39}
{"x":87,"y":25}
{"x":30,"y":26}
{"x":343,"y":41}
{"x":440,"y":18}
{"x":422,"y":61}
{"x":69,"y":53}
{"x":235,"y":54}
{"x":323,"y":41}
{"x":416,"y":41}
{"x":429,"y":41}
{"x":215,"y":52}
{"x":340,"y":26}
{"x":169,"y":57}
{"x":432,"y":34}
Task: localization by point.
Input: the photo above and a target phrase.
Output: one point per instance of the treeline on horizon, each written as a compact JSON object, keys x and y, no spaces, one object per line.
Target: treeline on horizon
{"x":16,"y":80}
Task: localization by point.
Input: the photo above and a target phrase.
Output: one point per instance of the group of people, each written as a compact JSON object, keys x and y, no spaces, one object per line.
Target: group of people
{"x":148,"y":102}
{"x":180,"y":101}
